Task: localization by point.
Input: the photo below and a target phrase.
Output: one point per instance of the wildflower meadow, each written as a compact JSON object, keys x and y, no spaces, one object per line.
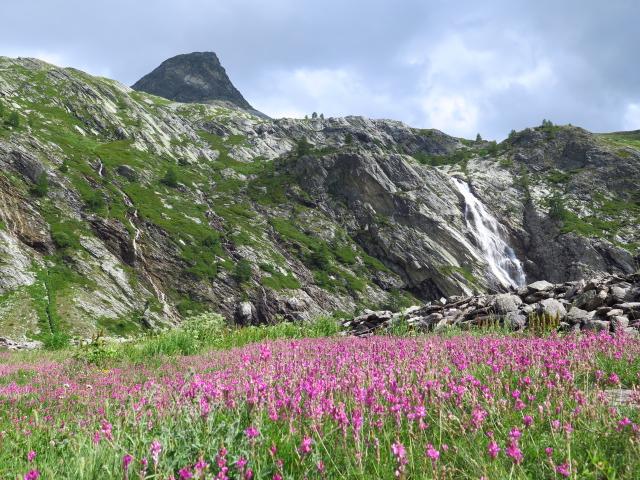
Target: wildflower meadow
{"x":459,"y":406}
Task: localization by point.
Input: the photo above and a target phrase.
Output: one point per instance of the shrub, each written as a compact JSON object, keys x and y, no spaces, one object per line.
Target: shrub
{"x":170,"y":178}
{"x":320,"y":257}
{"x":95,"y":201}
{"x":97,"y":352}
{"x":242,"y":271}
{"x":56,"y":341}
{"x":62,"y":240}
{"x":13,"y":120}
{"x":303,"y":147}
{"x":346,"y":255}
{"x":278,"y":281}
{"x":557,"y":210}
{"x":41,"y":187}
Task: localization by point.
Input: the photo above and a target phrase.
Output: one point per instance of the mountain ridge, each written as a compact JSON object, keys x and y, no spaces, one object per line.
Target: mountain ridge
{"x":274,"y":219}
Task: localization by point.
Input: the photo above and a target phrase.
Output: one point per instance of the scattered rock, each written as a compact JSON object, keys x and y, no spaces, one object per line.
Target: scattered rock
{"x":580,"y":305}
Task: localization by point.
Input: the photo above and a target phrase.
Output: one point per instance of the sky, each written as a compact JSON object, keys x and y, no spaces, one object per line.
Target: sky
{"x":463,"y":67}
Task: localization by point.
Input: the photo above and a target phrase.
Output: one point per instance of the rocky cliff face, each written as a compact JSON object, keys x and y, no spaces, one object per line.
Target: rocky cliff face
{"x":121,"y":210}
{"x":196,"y":77}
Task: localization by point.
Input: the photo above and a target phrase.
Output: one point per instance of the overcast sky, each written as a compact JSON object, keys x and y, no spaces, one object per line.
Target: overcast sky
{"x":460,"y":66}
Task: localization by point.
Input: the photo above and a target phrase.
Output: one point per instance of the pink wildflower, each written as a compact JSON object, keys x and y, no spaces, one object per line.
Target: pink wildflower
{"x":493,"y":449}
{"x":548,"y":451}
{"x":623,"y":423}
{"x":126,"y":461}
{"x":241,"y":463}
{"x":614,"y":379}
{"x":305,"y":446}
{"x":515,"y":434}
{"x":528,"y":420}
{"x":564,"y":469}
{"x":201,"y":466}
{"x":31,"y":456}
{"x":106,"y":429}
{"x":185,"y":473}
{"x":432,"y":453}
{"x":155,"y":450}
{"x":32,"y":475}
{"x":320,"y":466}
{"x":251,"y":432}
{"x":514,"y":452}
{"x":399,"y":452}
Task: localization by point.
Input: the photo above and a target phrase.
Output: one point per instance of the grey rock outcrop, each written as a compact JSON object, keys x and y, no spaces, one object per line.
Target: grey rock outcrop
{"x":550,"y":313}
{"x":196,"y":77}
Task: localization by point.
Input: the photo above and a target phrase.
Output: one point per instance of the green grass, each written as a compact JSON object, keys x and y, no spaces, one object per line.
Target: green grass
{"x":622,"y":139}
{"x":196,"y":335}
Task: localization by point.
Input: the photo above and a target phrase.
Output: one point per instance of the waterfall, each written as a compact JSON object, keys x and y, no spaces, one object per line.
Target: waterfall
{"x":501,"y":259}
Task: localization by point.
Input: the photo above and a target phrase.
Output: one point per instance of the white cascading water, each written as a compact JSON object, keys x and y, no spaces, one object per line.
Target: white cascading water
{"x":502,"y":261}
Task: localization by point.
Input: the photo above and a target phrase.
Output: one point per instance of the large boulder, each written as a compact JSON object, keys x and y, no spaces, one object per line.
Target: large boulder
{"x":577,"y":315}
{"x":552,"y":308}
{"x":540,"y":286}
{"x":506,"y":302}
{"x":589,"y":300}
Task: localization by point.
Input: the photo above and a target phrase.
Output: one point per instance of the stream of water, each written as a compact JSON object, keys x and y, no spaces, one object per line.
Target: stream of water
{"x":502,"y":261}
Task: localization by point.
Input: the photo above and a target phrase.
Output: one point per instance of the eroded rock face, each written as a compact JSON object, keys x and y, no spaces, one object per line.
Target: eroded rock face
{"x":554,"y":313}
{"x":329,"y":213}
{"x":192,"y":78}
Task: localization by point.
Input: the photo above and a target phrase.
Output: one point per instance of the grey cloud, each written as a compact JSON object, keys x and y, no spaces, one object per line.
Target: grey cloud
{"x":459,"y":66}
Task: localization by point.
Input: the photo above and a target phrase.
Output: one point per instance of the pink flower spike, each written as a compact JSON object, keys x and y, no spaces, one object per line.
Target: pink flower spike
{"x":31,"y":456}
{"x":432,"y":453}
{"x":201,"y":465}
{"x":155,"y":450}
{"x":305,"y":446}
{"x":515,"y":453}
{"x":493,"y":449}
{"x":251,"y":432}
{"x":126,"y":461}
{"x":548,"y":451}
{"x":241,"y":463}
{"x":32,"y":475}
{"x":185,"y":474}
{"x":564,"y":469}
{"x":528,"y":420}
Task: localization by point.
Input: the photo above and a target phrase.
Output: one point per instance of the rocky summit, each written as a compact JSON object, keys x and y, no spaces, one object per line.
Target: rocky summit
{"x":196,"y":77}
{"x":130,"y":209}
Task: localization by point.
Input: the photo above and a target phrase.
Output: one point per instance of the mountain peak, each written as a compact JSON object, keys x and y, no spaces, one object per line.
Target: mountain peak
{"x":196,"y":77}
